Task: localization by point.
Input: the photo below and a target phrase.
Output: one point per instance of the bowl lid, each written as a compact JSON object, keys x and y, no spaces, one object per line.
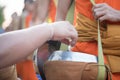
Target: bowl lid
{"x":72,"y":56}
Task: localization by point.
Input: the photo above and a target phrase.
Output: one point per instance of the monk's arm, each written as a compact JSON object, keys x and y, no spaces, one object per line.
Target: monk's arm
{"x":62,"y":9}
{"x":41,"y":11}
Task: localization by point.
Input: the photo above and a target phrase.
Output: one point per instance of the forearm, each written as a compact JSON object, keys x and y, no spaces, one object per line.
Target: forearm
{"x":16,"y":45}
{"x":21,"y":42}
{"x":62,"y":10}
{"x":43,"y":9}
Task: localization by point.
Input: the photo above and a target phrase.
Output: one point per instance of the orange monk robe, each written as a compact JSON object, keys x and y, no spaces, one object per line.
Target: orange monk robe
{"x":85,"y":7}
{"x":52,"y":11}
{"x":25,"y":69}
{"x":28,"y":20}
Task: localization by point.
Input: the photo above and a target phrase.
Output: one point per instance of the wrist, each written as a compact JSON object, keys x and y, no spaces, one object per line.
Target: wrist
{"x":51,"y":31}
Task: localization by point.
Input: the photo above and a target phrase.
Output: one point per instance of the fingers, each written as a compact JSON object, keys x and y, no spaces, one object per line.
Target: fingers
{"x":103,"y":18}
{"x":74,"y":40}
{"x":100,"y":11}
{"x":65,"y":41}
{"x":73,"y":37}
{"x":63,"y":31}
{"x":100,"y":5}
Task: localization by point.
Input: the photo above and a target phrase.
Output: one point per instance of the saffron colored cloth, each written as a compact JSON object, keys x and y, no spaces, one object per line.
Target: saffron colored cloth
{"x":85,"y":7}
{"x":28,"y":20}
{"x":52,"y":11}
{"x":26,"y":71}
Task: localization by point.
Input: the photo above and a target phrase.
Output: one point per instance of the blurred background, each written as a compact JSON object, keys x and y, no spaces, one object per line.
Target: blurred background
{"x":11,"y":6}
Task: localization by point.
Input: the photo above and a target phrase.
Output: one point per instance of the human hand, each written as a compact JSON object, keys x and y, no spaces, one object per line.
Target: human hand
{"x":64,"y":31}
{"x":104,"y":12}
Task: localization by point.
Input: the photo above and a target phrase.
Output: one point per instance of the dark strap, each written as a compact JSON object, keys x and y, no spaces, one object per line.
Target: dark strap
{"x":109,"y":74}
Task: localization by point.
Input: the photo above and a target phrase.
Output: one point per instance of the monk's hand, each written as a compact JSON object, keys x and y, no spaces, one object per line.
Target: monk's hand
{"x":104,"y":12}
{"x":64,"y":31}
